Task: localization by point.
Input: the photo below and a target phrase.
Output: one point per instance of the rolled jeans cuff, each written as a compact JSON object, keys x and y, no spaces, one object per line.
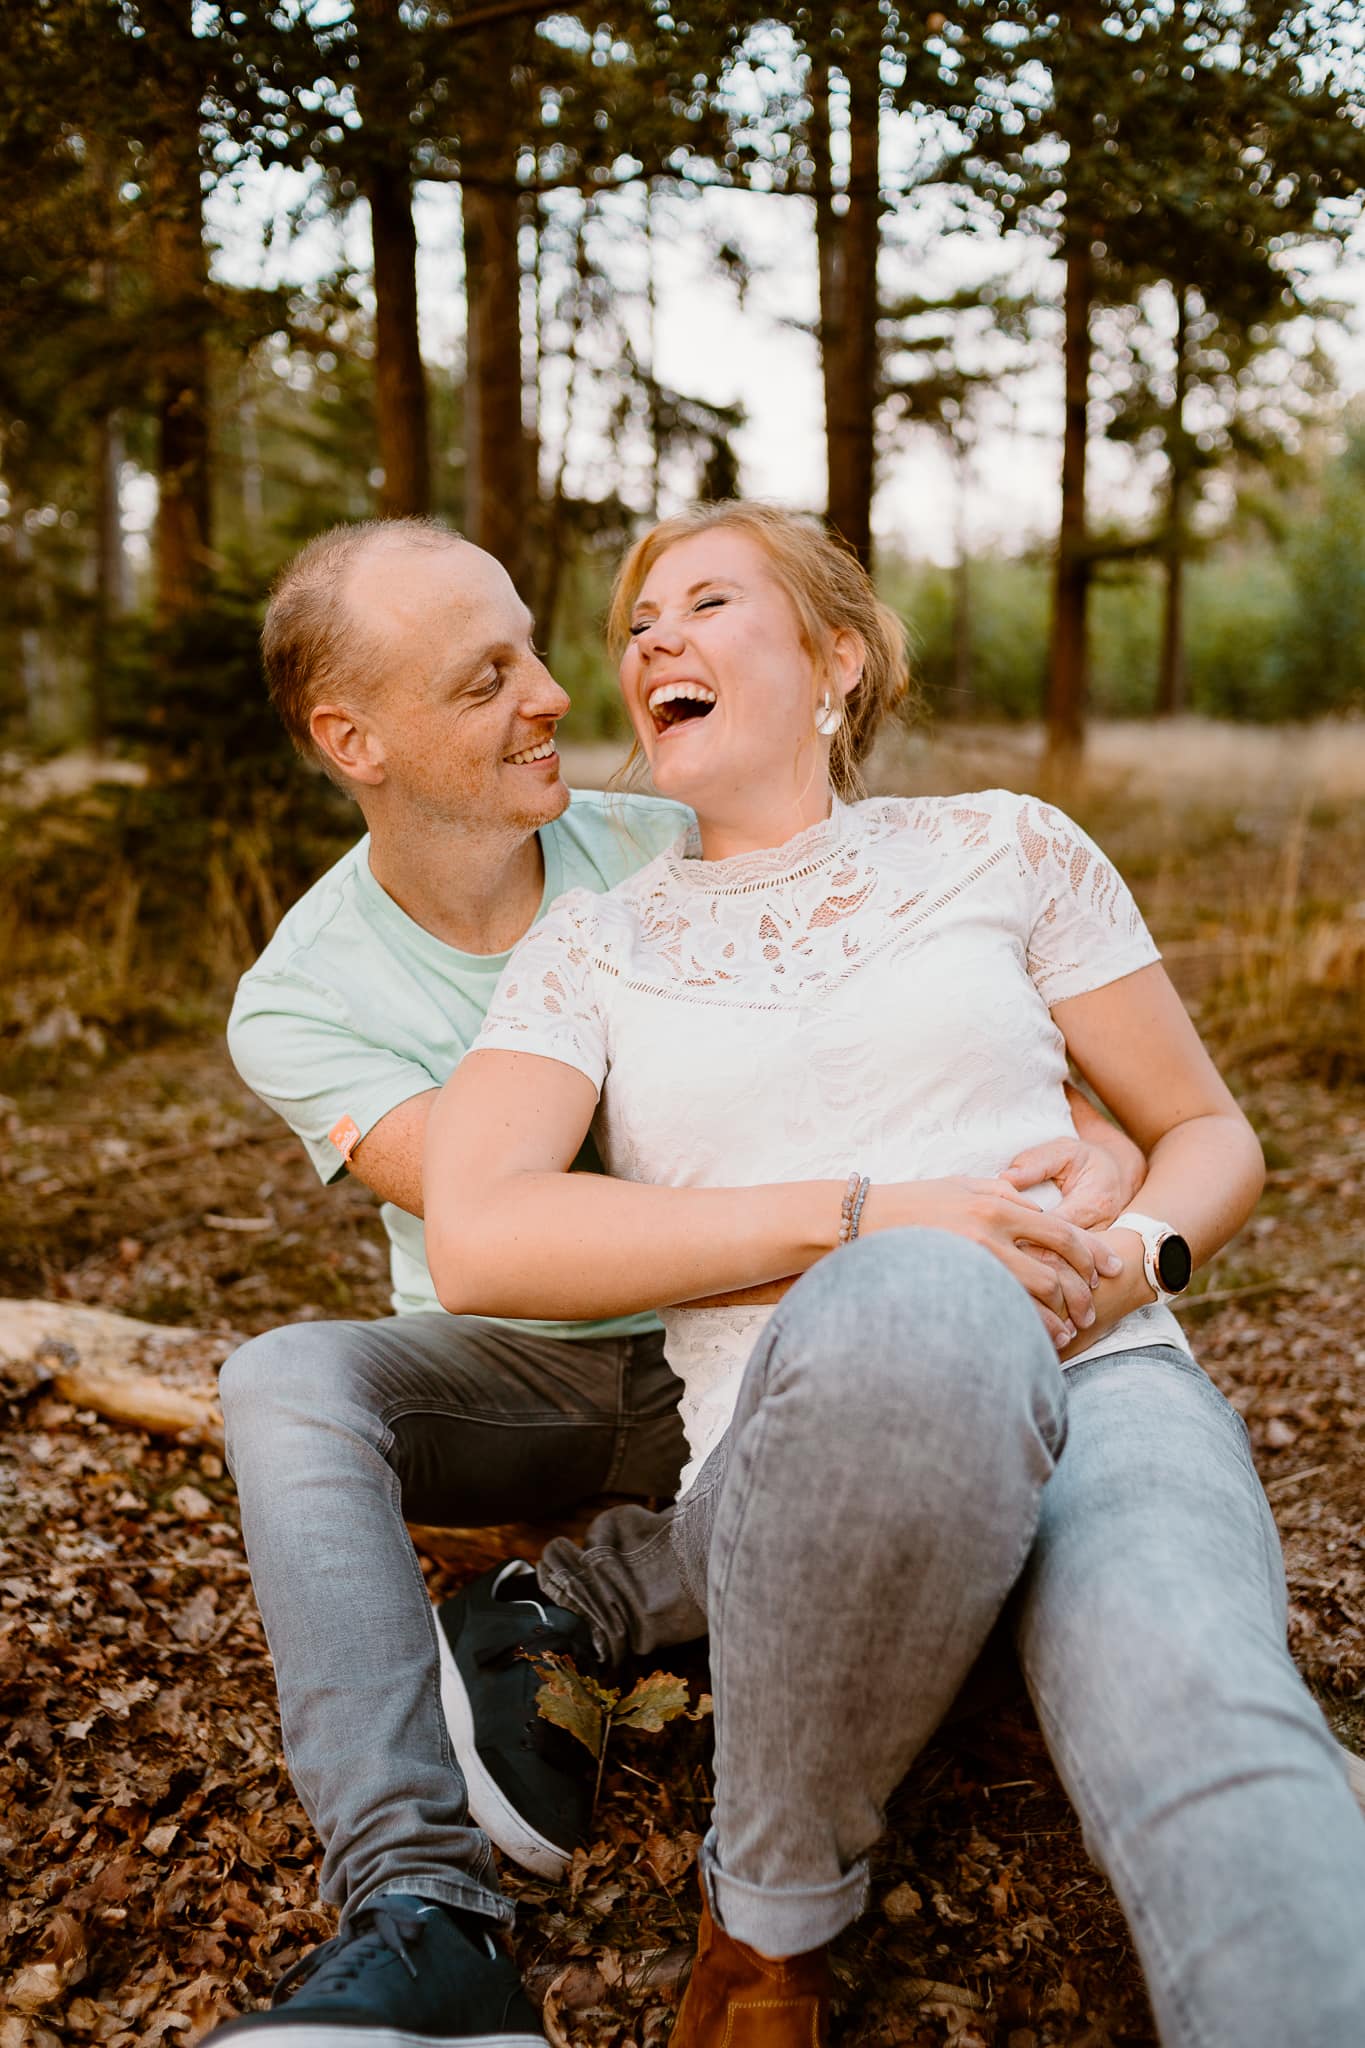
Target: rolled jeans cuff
{"x":786,"y":1922}
{"x":465,"y":1895}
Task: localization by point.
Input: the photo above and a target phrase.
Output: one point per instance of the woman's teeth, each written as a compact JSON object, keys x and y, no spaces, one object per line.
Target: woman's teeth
{"x":662,"y":701}
{"x":540,"y":753}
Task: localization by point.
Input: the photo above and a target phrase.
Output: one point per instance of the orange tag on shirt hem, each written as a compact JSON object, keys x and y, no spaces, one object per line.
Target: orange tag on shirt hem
{"x":345,"y":1136}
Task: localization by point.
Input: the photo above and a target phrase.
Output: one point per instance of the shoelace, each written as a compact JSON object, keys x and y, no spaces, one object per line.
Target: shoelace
{"x":388,"y":1930}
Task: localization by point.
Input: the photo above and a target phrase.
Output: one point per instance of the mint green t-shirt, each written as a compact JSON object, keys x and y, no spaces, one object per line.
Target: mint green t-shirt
{"x":353,"y":1008}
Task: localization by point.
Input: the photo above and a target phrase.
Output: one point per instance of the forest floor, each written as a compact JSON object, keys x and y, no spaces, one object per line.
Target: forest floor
{"x":162,"y":1874}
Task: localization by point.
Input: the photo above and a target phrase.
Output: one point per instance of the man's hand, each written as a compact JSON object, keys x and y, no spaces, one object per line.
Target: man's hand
{"x":1056,"y":1261}
{"x":1095,"y":1186}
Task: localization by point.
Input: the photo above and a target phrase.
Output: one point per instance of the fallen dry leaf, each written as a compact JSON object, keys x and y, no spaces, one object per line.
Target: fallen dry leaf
{"x":35,"y":1986}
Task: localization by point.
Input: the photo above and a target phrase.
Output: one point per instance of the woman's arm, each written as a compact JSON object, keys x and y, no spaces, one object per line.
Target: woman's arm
{"x":1133,"y":1042}
{"x":509,"y":1231}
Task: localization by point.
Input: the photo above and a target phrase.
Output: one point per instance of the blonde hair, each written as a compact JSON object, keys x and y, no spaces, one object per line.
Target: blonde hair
{"x":830,"y":591}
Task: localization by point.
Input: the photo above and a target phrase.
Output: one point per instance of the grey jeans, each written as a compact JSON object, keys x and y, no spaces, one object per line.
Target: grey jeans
{"x":335,"y":1433}
{"x":880,"y":1507}
{"x":885,"y":1492}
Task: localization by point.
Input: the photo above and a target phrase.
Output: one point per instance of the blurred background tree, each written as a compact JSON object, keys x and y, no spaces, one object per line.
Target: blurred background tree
{"x":1147,"y":195}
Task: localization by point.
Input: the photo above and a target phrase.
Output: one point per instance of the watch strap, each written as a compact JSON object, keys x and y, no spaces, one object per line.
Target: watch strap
{"x":1151,"y":1230}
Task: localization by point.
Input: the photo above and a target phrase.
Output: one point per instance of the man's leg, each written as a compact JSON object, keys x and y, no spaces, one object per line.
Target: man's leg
{"x":1151,"y":1630}
{"x":335,"y":1431}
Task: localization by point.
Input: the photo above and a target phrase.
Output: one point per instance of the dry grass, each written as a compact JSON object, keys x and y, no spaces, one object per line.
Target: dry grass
{"x":1183,"y":761}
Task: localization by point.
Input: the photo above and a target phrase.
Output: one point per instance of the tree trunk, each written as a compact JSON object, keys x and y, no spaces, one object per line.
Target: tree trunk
{"x":1170,"y":687}
{"x":497,"y":494}
{"x":30,"y":640}
{"x":656,"y":451}
{"x":400,"y":387}
{"x":963,"y":691}
{"x":110,"y":581}
{"x":964,"y":695}
{"x":846,"y":242}
{"x":181,"y":275}
{"x":554,"y":533}
{"x":1068,"y":666}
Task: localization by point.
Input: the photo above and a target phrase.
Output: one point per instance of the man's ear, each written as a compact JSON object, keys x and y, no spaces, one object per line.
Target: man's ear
{"x":352,"y":749}
{"x":847,"y":656}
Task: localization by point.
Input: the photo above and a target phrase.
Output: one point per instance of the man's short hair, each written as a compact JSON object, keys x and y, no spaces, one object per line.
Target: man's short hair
{"x":312,"y":645}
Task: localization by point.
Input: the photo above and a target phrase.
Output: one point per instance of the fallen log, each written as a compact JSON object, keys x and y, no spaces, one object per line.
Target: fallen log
{"x":162,"y":1377}
{"x":153,"y":1376}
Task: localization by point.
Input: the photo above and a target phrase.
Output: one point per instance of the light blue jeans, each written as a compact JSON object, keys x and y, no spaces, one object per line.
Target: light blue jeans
{"x":885,"y":1494}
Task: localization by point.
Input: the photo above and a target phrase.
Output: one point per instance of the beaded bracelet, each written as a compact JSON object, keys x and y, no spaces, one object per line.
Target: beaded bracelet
{"x":847,"y":1227}
{"x":858,"y":1208}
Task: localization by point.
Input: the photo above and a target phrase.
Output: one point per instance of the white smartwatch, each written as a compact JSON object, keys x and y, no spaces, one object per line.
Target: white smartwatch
{"x":1166,"y":1257}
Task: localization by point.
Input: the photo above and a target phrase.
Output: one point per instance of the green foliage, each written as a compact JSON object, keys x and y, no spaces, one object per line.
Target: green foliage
{"x":1204,"y":146}
{"x":1320,"y":661}
{"x":191,"y":702}
{"x":1252,"y":636}
{"x":578,"y":655}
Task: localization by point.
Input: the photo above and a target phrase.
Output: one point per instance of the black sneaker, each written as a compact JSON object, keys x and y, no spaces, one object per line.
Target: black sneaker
{"x":407,"y":1974}
{"x":529,"y":1784}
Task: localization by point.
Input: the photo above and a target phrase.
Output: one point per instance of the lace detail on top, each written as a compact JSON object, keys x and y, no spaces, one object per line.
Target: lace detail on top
{"x":704,"y":1346}
{"x":788,"y":923}
{"x":791,"y":862}
{"x":874,"y":994}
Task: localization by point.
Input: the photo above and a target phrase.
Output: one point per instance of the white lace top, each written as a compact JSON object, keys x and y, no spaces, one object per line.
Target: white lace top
{"x":874,"y":995}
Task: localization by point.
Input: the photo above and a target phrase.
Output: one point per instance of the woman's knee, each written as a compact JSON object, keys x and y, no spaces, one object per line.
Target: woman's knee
{"x":909,"y":1318}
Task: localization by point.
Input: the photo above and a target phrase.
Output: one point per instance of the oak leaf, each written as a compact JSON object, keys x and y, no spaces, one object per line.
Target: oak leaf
{"x":573,"y":1702}
{"x":651,"y":1703}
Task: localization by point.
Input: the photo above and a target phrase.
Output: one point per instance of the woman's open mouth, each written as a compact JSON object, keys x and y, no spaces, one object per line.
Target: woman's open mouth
{"x":675,"y":704}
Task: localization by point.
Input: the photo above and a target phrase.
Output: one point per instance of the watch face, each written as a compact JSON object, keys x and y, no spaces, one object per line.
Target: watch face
{"x":1174,"y":1264}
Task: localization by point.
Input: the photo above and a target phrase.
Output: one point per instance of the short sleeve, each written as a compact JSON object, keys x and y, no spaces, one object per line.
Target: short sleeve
{"x":294,"y":1046}
{"x":547,"y":1000}
{"x":1084,"y":928}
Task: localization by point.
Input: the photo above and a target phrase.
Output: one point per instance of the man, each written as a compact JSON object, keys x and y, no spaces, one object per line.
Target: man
{"x":400,"y":658}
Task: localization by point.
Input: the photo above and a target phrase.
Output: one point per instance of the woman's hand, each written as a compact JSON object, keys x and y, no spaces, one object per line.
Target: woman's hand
{"x":1093,"y":1186}
{"x":1059,"y":1264}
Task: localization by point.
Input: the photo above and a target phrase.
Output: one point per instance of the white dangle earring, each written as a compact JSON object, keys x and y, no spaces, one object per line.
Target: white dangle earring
{"x":829,"y":716}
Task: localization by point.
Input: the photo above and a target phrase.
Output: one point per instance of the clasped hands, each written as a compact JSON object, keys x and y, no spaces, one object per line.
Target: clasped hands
{"x":1058,"y":1255}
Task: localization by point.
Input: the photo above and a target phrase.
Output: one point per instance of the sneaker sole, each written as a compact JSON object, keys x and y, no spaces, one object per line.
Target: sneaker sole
{"x":489,"y":1805}
{"x":321,"y":2034}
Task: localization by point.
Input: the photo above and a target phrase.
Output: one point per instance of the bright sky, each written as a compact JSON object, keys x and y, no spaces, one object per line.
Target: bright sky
{"x":762,"y":356}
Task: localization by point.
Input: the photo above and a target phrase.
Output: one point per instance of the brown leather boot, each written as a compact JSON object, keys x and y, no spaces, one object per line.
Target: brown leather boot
{"x":737,"y":1998}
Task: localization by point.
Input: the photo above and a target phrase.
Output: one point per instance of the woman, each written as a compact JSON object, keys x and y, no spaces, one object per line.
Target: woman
{"x":818,"y":1022}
